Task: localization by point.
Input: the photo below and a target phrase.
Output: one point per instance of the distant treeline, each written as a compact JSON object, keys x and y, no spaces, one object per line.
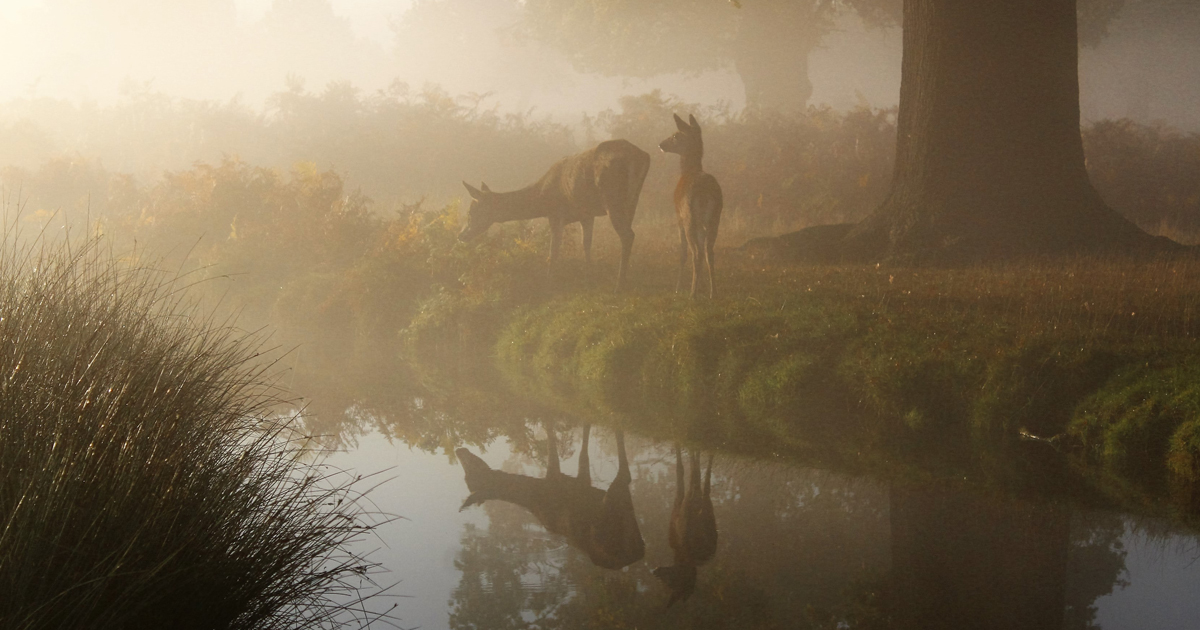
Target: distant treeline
{"x":135,"y":161}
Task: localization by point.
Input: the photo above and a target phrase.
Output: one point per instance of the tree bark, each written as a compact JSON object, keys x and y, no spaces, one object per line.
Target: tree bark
{"x":989,"y":158}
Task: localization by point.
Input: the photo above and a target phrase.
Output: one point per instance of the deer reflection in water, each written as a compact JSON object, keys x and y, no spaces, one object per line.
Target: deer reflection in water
{"x":693,"y":530}
{"x":600,"y":523}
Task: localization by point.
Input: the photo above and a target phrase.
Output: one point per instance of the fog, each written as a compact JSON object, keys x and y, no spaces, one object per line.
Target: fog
{"x":97,"y":51}
{"x":93,"y":51}
{"x":405,"y":100}
{"x":300,"y":163}
{"x":1147,"y":69}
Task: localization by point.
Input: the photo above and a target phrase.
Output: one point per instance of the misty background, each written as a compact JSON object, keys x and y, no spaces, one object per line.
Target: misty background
{"x":97,"y":53}
{"x":403,"y":99}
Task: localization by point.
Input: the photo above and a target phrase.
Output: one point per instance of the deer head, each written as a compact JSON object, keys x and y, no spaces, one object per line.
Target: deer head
{"x":482,"y":213}
{"x":687,"y":141}
{"x":680,"y":580}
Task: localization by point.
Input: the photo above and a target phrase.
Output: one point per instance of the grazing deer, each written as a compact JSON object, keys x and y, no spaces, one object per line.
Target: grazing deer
{"x":603,"y":180}
{"x":693,"y":530}
{"x":698,"y":201}
{"x":599,"y":523}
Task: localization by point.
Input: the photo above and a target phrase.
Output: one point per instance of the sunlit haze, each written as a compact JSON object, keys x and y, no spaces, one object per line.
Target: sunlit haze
{"x":95,"y":51}
{"x":553,"y":314}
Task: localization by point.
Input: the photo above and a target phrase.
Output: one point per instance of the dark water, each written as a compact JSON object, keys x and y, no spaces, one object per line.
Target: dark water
{"x":795,"y":547}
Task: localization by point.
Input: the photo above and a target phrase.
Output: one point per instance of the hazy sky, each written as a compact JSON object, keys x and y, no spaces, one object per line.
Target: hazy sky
{"x":217,"y":49}
{"x":94,"y":50}
{"x":369,"y":18}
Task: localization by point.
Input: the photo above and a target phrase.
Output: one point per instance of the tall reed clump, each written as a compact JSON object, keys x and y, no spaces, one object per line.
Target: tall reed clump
{"x":144,"y":480}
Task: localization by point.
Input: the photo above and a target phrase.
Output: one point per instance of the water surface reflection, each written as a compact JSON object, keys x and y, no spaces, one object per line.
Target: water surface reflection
{"x":797,"y":548}
{"x":726,"y":540}
{"x":692,"y":533}
{"x":597,"y":522}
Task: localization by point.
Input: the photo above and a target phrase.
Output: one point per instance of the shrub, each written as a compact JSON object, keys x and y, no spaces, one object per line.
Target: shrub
{"x":1149,"y":173}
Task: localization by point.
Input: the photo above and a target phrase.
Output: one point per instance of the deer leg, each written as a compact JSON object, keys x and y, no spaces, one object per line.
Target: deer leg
{"x":622,"y":460}
{"x":587,"y":239}
{"x":678,"y":474}
{"x":625,"y":231}
{"x":683,"y":252}
{"x":697,"y":261}
{"x":712,"y":259}
{"x":552,"y":467}
{"x":585,"y":464}
{"x":708,"y":477}
{"x":694,"y":484}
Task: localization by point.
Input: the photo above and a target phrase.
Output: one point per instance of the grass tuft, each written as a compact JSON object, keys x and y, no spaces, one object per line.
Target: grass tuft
{"x":145,"y":481}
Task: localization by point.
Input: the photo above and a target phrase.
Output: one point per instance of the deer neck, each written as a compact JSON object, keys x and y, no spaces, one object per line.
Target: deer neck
{"x":525,"y":203}
{"x":689,"y":163}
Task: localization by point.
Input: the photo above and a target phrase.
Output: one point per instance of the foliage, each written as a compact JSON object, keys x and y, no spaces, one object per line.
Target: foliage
{"x":397,"y":145}
{"x":668,"y":36}
{"x":766,"y":41}
{"x":144,"y":479}
{"x":778,"y":171}
{"x":1150,"y":173}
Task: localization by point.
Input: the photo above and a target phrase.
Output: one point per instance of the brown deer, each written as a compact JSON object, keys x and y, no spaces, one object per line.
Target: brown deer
{"x":698,"y":201}
{"x":601,"y":524}
{"x":693,"y":529}
{"x":606,"y":179}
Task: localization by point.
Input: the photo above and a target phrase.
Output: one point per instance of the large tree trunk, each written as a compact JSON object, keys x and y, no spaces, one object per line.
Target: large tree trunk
{"x":989,"y":160}
{"x":961,"y":560}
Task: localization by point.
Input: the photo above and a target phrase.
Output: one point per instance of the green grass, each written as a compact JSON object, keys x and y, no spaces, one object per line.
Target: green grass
{"x":145,"y":481}
{"x":882,"y":362}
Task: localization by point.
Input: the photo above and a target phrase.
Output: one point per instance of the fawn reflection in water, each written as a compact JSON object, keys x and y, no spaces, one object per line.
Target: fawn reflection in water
{"x":693,"y":530}
{"x":600,"y":523}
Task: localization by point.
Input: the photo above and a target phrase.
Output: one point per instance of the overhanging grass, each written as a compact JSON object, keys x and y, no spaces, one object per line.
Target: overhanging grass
{"x":144,"y":481}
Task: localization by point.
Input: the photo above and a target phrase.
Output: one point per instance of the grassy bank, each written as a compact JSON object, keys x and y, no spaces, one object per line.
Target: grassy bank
{"x":954,"y":367}
{"x":144,"y":481}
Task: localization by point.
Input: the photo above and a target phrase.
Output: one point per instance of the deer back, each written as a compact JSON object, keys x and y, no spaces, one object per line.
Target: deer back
{"x":601,"y":524}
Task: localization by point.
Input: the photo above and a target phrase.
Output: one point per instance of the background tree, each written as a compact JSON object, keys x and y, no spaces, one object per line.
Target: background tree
{"x":766,"y":41}
{"x":989,"y":157}
{"x":468,"y":44}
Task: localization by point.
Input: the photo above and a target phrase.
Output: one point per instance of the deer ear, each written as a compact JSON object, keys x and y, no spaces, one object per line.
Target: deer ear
{"x":475,"y":194}
{"x":695,"y":125}
{"x":682,"y":126}
{"x":485,"y":188}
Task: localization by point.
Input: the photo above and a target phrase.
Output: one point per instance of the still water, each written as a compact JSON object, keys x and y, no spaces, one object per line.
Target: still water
{"x":795,"y":547}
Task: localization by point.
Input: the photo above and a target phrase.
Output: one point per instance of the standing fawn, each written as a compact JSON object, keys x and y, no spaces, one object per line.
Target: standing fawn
{"x":606,"y":179}
{"x":698,"y":201}
{"x":600,"y":523}
{"x":693,"y":529}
